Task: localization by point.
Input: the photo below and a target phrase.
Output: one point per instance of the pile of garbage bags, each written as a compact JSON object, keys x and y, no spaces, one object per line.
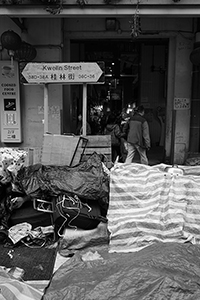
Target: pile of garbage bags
{"x":76,"y":192}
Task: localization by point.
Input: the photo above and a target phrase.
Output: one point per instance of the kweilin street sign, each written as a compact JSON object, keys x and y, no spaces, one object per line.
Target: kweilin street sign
{"x":63,"y":73}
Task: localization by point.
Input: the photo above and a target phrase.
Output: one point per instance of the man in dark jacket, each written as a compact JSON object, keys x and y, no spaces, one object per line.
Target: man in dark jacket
{"x":113,"y":129}
{"x":138,"y":138}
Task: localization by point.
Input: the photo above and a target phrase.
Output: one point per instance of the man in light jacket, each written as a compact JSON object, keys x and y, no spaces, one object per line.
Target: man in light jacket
{"x":138,"y":138}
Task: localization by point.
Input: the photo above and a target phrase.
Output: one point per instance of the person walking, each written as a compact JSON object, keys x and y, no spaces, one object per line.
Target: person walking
{"x":79,"y":128}
{"x":113,"y":129}
{"x":138,"y":138}
{"x":123,"y":146}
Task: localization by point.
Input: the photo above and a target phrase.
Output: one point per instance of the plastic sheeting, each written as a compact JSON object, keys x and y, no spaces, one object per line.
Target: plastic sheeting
{"x":153,"y":203}
{"x":159,"y":272}
{"x":87,"y":180}
{"x":74,"y":240}
{"x":12,"y":288}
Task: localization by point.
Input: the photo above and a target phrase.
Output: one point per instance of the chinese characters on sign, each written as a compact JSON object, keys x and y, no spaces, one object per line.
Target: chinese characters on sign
{"x":181,"y":103}
{"x":62,"y":72}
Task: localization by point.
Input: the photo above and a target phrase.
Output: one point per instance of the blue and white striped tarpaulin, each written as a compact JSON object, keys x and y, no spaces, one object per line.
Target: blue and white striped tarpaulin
{"x":149,"y":204}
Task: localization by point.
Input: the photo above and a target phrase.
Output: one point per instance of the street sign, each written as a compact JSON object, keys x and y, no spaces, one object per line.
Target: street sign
{"x":63,"y":73}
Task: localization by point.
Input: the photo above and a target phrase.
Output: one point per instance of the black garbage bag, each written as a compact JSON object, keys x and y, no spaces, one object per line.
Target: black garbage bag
{"x":86,"y":180}
{"x":7,"y":194}
{"x":4,"y":211}
{"x":75,"y":213}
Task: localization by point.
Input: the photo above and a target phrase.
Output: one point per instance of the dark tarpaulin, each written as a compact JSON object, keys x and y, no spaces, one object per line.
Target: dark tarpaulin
{"x":6,"y":208}
{"x":87,"y":180}
{"x":159,"y":272}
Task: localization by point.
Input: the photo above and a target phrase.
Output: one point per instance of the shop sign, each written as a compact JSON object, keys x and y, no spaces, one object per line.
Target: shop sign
{"x":10,"y":102}
{"x":62,"y":73}
{"x":181,"y":103}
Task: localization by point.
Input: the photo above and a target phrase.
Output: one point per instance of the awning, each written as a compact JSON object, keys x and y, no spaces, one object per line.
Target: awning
{"x":166,"y":9}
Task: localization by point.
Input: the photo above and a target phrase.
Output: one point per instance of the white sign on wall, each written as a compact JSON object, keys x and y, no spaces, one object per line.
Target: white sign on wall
{"x":10,"y":102}
{"x":181,"y":103}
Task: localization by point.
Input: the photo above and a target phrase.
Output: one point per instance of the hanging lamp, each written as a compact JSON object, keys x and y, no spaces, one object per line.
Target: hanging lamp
{"x":26,"y":52}
{"x":11,"y":41}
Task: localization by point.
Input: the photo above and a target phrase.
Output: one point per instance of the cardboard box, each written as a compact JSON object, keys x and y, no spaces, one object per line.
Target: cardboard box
{"x":61,"y":150}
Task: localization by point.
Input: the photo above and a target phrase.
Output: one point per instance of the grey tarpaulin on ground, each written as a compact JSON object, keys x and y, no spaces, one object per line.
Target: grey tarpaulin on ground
{"x":160,"y":271}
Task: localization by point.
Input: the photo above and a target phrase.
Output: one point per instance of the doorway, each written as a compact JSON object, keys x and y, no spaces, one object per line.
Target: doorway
{"x":135,"y":74}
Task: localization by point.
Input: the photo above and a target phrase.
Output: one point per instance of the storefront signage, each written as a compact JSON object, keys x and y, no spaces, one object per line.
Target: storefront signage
{"x":83,"y":72}
{"x":181,"y":103}
{"x":10,"y":102}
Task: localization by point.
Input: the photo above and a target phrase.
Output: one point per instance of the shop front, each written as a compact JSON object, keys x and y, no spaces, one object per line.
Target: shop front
{"x":148,"y":64}
{"x":153,"y":70}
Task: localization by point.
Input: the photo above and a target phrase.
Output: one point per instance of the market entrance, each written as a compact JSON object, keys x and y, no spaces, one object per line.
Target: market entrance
{"x":135,"y":74}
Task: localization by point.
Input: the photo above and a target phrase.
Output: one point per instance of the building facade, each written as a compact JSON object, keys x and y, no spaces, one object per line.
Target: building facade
{"x":146,"y":47}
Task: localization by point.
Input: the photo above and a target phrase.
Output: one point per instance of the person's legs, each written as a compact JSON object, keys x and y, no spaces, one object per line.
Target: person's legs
{"x":131,"y":153}
{"x":118,"y":151}
{"x":143,"y":155}
{"x":123,"y":150}
{"x":114,"y":153}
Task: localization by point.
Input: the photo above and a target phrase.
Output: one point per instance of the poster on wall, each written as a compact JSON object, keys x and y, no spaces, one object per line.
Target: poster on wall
{"x":10,"y":102}
{"x":181,"y":103}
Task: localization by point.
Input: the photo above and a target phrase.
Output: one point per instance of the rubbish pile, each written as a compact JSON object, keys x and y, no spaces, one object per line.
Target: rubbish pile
{"x":49,"y":196}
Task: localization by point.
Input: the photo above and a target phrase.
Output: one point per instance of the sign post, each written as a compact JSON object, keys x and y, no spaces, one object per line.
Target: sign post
{"x":46,"y":108}
{"x":63,"y":73}
{"x":84,"y":108}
